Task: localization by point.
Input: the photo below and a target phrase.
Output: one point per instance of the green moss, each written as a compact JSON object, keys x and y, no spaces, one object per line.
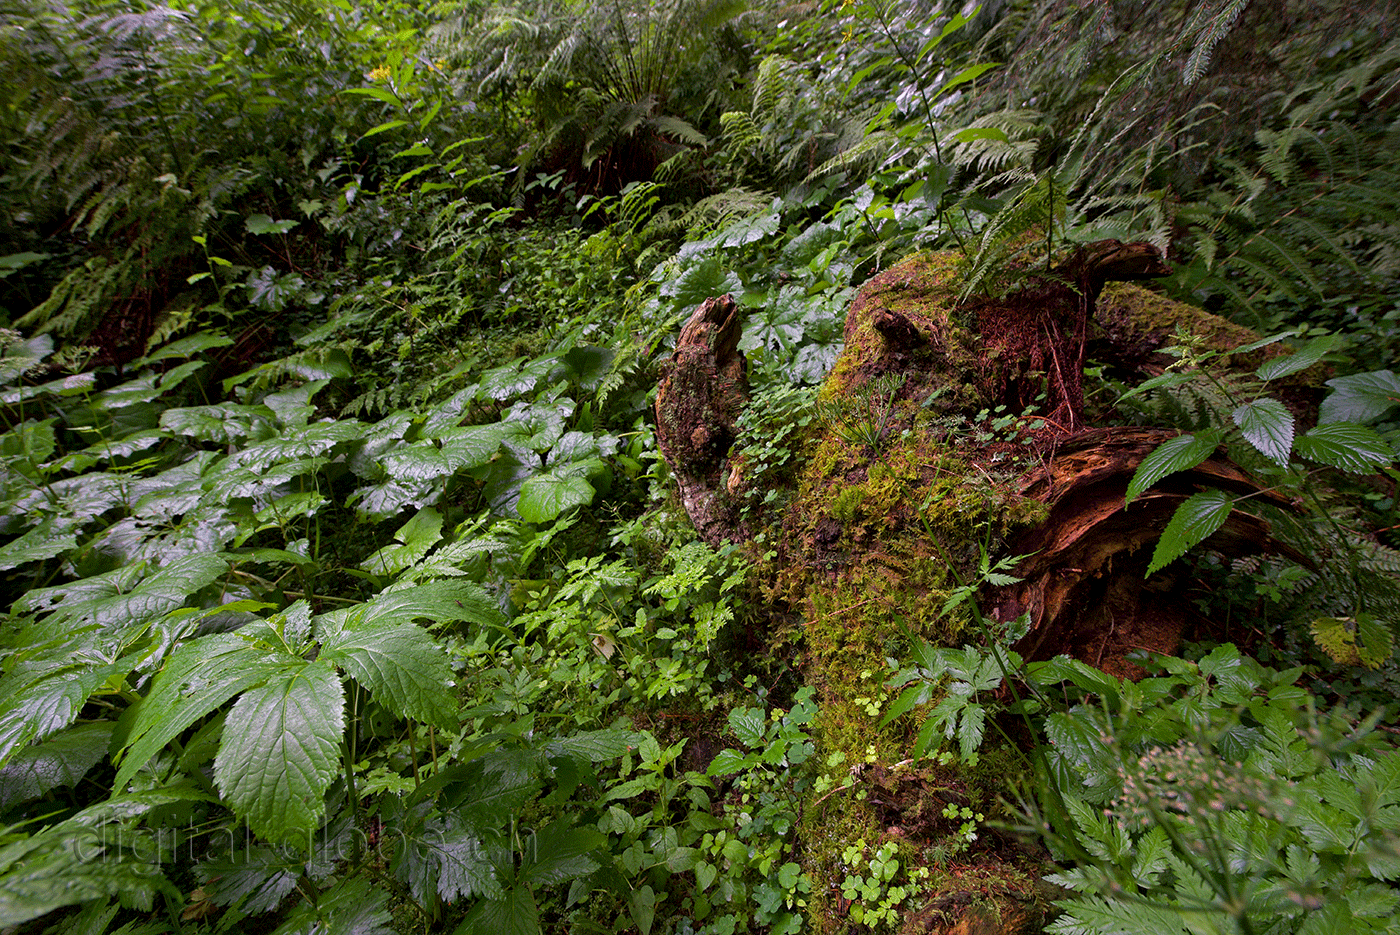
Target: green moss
{"x":864,"y":551}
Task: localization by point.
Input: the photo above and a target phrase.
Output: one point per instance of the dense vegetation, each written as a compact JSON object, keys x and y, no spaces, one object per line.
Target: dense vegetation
{"x":348,"y":592}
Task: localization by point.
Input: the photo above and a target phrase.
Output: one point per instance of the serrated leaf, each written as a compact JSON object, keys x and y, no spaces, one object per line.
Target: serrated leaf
{"x":401,"y":665}
{"x":912,"y":696}
{"x":513,"y":914}
{"x":584,"y":365}
{"x":726,"y":762}
{"x":384,"y":501}
{"x":552,"y":492}
{"x":352,"y":907}
{"x":537,"y":427}
{"x":222,"y":424}
{"x":561,"y":852}
{"x":1345,"y":446}
{"x":1177,"y":454}
{"x":65,"y":865}
{"x":419,"y":461}
{"x":38,"y":544}
{"x":470,"y":446}
{"x":281,"y":750}
{"x":1309,"y":354}
{"x":62,"y":760}
{"x":309,"y":441}
{"x":1194,"y":521}
{"x":447,"y":857}
{"x":598,"y":745}
{"x":1361,"y":397}
{"x":416,"y":537}
{"x":198,"y":677}
{"x":185,"y":347}
{"x":1264,"y":342}
{"x":704,"y":280}
{"x":1268,"y":426}
{"x":971,"y":729}
{"x":116,"y":599}
{"x":255,"y":878}
{"x":42,"y":695}
{"x":748,"y":725}
{"x":487,"y":791}
{"x":1352,"y":641}
{"x":440,"y":601}
{"x":515,"y":378}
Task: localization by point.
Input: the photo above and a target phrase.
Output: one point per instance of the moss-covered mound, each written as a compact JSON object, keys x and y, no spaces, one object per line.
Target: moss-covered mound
{"x":948,"y":432}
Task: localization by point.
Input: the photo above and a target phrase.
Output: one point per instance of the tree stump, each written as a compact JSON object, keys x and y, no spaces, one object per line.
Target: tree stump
{"x":945,"y":470}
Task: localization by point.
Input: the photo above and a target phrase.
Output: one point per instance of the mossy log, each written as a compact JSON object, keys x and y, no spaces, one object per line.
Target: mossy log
{"x":868,"y":525}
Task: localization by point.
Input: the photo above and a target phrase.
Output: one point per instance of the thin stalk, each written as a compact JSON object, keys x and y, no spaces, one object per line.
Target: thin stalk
{"x":347,"y":748}
{"x":929,"y":121}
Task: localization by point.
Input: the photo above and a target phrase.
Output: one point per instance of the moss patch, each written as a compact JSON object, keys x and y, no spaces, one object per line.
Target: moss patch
{"x":882,"y":521}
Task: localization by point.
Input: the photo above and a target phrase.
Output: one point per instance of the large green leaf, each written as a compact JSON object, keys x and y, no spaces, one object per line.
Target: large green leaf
{"x":446,"y":856}
{"x":706,"y":279}
{"x":414,"y":537}
{"x":383,"y":501}
{"x":552,"y":492}
{"x":262,"y":224}
{"x":118,"y":598}
{"x":585,"y":366}
{"x":352,"y":906}
{"x":441,"y":601}
{"x":469,"y":446}
{"x":561,"y":852}
{"x":223,"y":424}
{"x":309,"y":441}
{"x":198,"y":677}
{"x":1194,"y":521}
{"x":1309,"y":354}
{"x":403,"y":667}
{"x":537,"y":426}
{"x":80,"y":859}
{"x":1361,"y":397}
{"x":186,"y":347}
{"x":1268,"y":426}
{"x":62,"y":760}
{"x":281,"y":750}
{"x":23,"y":356}
{"x":596,"y":745}
{"x":44,"y":541}
{"x":513,"y":914}
{"x":1176,"y":454}
{"x":45,"y":692}
{"x":487,"y":791}
{"x":1346,"y":446}
{"x":418,"y":461}
{"x":259,"y":482}
{"x":515,"y":378}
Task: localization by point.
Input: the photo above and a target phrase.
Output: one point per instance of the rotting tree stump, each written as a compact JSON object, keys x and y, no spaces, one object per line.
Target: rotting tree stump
{"x":866,"y":527}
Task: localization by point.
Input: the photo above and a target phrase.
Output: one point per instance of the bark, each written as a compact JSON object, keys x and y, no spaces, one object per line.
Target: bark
{"x":702,"y":392}
{"x":869,"y":535}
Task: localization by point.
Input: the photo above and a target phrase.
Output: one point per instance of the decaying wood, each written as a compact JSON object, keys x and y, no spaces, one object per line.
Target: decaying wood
{"x":704,"y":389}
{"x":1083,"y":584}
{"x":862,"y":547}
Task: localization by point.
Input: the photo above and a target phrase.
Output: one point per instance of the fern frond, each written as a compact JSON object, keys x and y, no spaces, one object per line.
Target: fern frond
{"x":1209,"y":26}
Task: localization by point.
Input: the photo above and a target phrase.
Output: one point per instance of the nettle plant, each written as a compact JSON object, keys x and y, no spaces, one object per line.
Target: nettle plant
{"x":175,"y":685}
{"x":1259,"y":432}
